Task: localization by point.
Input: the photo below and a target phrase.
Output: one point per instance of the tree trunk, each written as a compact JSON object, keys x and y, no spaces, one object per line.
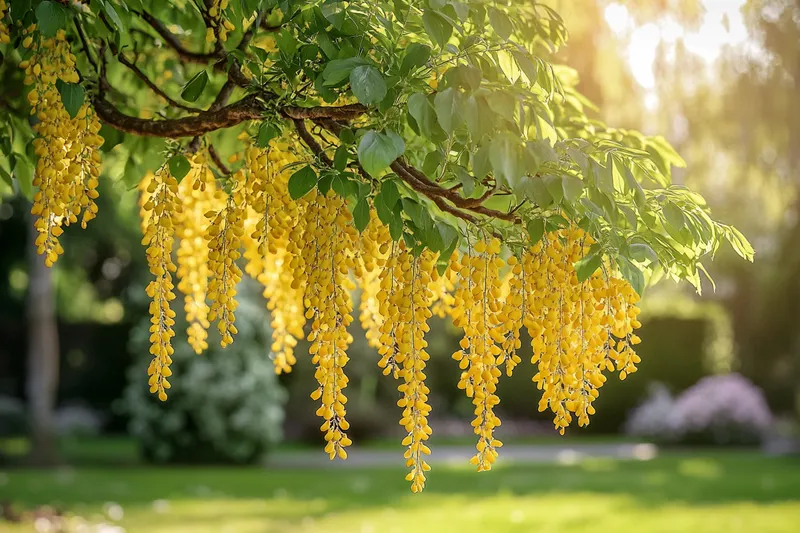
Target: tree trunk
{"x":43,"y":358}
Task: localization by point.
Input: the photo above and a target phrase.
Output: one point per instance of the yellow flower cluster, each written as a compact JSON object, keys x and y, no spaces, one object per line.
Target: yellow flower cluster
{"x":328,"y":240}
{"x":5,"y":37}
{"x":374,"y":245}
{"x":578,"y":328}
{"x":159,"y":202}
{"x":309,"y":257}
{"x":219,"y":23}
{"x":405,"y":298}
{"x":199,"y":194}
{"x":514,"y":309}
{"x":271,"y":216}
{"x":68,"y":164}
{"x":224,"y":236}
{"x":478,"y":311}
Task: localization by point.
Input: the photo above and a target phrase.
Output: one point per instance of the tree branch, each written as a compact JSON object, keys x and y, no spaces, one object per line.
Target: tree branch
{"x":345,"y":112}
{"x":311,"y":142}
{"x":218,"y":160}
{"x":155,"y":88}
{"x":174,"y":42}
{"x":248,"y":108}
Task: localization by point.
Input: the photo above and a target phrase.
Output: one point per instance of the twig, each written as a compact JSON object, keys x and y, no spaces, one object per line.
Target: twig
{"x":217,"y":160}
{"x":155,"y":88}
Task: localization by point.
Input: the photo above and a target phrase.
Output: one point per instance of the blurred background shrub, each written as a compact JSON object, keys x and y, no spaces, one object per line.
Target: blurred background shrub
{"x":225,"y":406}
{"x":720,"y":410}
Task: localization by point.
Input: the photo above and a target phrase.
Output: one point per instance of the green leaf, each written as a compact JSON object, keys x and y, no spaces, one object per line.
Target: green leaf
{"x":266,"y":132}
{"x":500,"y":23}
{"x":376,"y":151}
{"x":179,"y":166}
{"x":504,"y":155}
{"x":632,"y":274}
{"x":439,"y":28}
{"x":573,"y":187}
{"x":51,"y":17}
{"x":417,"y":55}
{"x":347,"y":188}
{"x":418,"y":213}
{"x":643,"y":252}
{"x":554,"y":187}
{"x":478,"y":116}
{"x":6,"y":177}
{"x":361,"y":214}
{"x":367,"y":84}
{"x":340,"y":158}
{"x":448,"y":109}
{"x":114,"y":16}
{"x":449,"y":235}
{"x":481,"y":165}
{"x":338,"y":70}
{"x":301,"y":182}
{"x":421,"y":109}
{"x":740,"y":244}
{"x":396,"y":225}
{"x":503,"y":103}
{"x":72,"y":96}
{"x":194,"y":87}
{"x":467,"y":181}
{"x":286,"y":42}
{"x":23,"y":173}
{"x":535,"y":230}
{"x":587,"y":266}
{"x":389,"y":194}
{"x":674,"y":216}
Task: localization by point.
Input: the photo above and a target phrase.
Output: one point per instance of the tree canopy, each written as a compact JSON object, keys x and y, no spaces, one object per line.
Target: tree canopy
{"x":429,"y":151}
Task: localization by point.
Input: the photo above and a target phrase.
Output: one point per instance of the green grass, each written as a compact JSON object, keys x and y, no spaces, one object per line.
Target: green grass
{"x":709,"y":492}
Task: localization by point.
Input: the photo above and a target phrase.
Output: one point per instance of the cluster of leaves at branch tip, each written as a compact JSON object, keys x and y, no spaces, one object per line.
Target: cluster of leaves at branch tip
{"x":431,"y":154}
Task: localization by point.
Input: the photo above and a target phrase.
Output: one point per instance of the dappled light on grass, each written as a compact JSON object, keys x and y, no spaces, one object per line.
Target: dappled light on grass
{"x":722,"y":492}
{"x":700,"y":468}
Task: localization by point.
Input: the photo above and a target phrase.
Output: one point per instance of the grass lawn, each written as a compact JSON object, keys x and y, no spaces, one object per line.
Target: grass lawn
{"x":704,"y":493}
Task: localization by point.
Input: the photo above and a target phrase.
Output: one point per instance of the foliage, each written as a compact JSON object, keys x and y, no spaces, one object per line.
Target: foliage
{"x":431,"y":149}
{"x":229,"y":407}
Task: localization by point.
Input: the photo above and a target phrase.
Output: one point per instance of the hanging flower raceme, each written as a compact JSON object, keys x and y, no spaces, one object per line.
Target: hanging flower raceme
{"x":199,"y":194}
{"x":272,"y":214}
{"x":578,"y":329}
{"x":161,"y":208}
{"x":68,"y":164}
{"x":328,"y":241}
{"x":224,"y":235}
{"x":374,"y":246}
{"x":478,"y":311}
{"x":514,"y":310}
{"x":405,"y":299}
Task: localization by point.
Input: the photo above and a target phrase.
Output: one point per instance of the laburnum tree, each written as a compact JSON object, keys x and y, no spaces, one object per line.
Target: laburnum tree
{"x":426,"y":152}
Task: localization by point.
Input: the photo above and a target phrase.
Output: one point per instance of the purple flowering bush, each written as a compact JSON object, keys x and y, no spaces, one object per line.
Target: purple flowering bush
{"x":724,"y":409}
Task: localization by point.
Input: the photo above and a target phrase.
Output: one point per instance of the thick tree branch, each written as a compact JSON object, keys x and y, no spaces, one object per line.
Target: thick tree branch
{"x":248,"y":108}
{"x":345,"y":112}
